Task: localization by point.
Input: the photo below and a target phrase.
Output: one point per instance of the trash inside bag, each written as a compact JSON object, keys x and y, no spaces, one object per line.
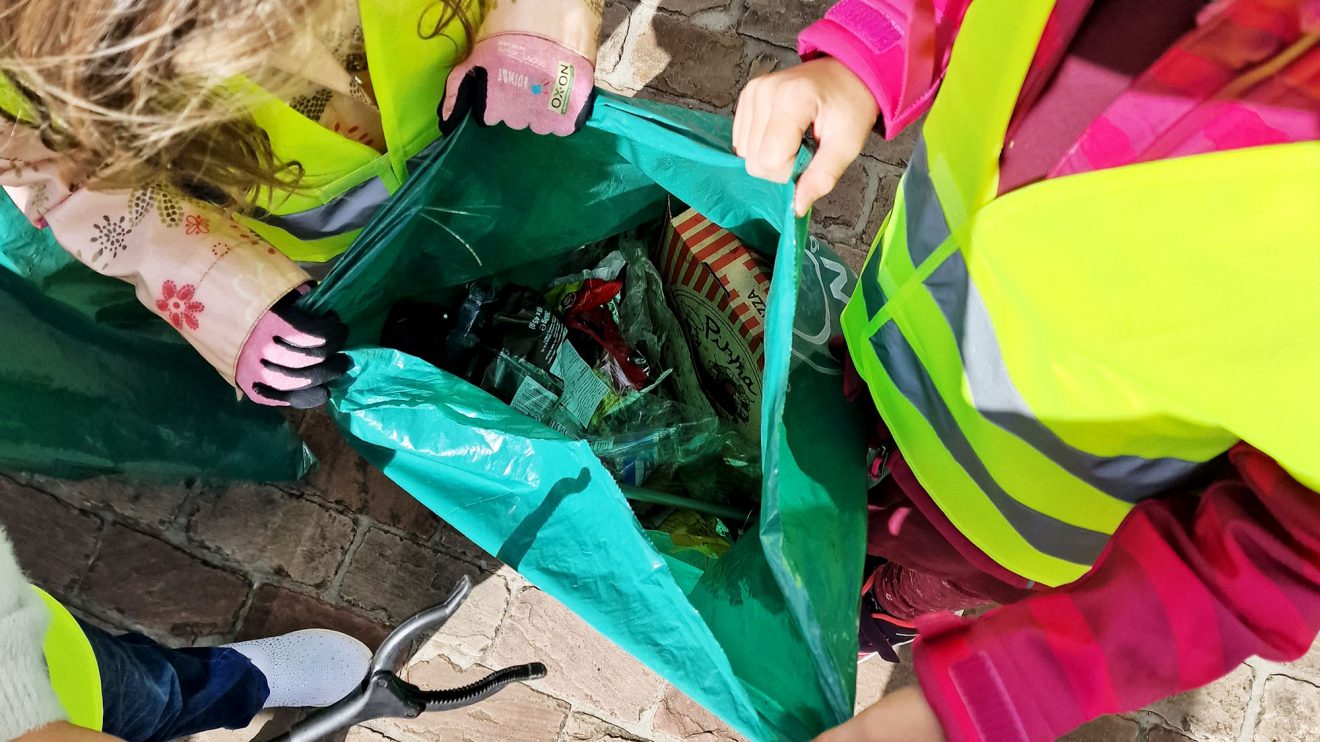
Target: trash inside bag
{"x":95,"y":384}
{"x":558,"y":355}
{"x":756,"y":620}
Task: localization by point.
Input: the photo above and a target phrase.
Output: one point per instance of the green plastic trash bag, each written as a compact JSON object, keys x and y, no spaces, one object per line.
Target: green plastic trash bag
{"x":766,"y":636}
{"x":92,"y":383}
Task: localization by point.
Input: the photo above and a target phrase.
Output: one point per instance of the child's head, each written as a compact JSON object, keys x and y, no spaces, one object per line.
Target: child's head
{"x":131,"y":89}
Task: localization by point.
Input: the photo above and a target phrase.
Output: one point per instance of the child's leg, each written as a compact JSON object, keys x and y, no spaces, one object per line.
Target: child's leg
{"x":924,"y":572}
{"x":152,"y":693}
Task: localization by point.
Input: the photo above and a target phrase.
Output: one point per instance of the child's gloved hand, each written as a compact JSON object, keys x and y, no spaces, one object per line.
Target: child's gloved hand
{"x":522,"y":81}
{"x":776,"y":111}
{"x":291,"y":356}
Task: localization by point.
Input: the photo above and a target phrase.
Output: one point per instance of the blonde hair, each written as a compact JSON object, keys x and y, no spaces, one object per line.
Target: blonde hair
{"x":133,"y":91}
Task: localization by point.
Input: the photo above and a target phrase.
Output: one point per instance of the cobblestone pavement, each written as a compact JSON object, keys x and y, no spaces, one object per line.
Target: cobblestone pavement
{"x":190,"y":564}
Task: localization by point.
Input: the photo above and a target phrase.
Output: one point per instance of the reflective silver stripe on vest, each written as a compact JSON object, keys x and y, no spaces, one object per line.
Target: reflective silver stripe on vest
{"x":926,"y":227}
{"x":348,"y":211}
{"x":1128,"y":478}
{"x":873,"y":297}
{"x":995,"y":396}
{"x":1047,"y":535}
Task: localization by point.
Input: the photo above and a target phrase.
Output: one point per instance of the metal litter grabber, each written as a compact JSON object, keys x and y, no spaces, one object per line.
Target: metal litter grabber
{"x":384,"y":695}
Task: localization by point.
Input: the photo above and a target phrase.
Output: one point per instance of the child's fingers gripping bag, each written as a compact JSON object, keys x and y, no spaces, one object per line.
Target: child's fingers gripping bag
{"x":762,"y":633}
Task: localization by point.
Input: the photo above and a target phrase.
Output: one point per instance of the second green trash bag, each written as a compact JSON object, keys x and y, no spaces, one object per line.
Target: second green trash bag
{"x":767,"y":638}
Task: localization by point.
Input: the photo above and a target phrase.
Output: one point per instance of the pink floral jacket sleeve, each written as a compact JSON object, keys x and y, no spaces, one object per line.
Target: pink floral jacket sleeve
{"x":200,"y":270}
{"x":194,"y":266}
{"x":899,"y":48}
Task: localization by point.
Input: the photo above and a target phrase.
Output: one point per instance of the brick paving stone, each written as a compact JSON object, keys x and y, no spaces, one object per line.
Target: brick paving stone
{"x":680,"y":717}
{"x":520,"y":712}
{"x":363,"y":734}
{"x":1310,"y":664}
{"x":1164,"y":734}
{"x":277,"y":610}
{"x":583,"y":665}
{"x":847,"y":201}
{"x":587,"y":728}
{"x":390,"y":504}
{"x":1106,"y":729}
{"x":450,"y":539}
{"x":399,"y":578}
{"x":1290,"y":711}
{"x":780,"y":21}
{"x":53,"y":541}
{"x":1213,"y":712}
{"x":153,"y":505}
{"x":613,"y":34}
{"x":691,"y":7}
{"x":905,"y":673}
{"x":853,"y":255}
{"x":690,"y":61}
{"x":267,"y":529}
{"x":344,"y":479}
{"x":339,"y":473}
{"x":873,"y":676}
{"x":762,"y":65}
{"x":884,"y":200}
{"x":163,"y":588}
{"x":897,"y":151}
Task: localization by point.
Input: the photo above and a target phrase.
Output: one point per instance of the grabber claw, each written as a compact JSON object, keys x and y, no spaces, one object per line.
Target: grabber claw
{"x":384,"y":695}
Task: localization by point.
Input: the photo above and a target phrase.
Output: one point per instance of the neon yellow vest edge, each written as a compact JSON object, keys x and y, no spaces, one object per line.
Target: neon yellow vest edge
{"x":1038,"y":287}
{"x":72,"y":665}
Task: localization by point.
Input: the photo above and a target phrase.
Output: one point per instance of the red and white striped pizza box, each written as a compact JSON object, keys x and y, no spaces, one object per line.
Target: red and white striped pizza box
{"x":719,"y":288}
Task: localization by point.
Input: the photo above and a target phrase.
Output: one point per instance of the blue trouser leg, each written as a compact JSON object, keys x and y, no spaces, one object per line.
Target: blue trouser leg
{"x":153,"y":694}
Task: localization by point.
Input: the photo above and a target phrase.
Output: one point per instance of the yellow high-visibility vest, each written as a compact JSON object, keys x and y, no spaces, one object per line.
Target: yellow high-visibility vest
{"x":345,"y":180}
{"x":1047,"y":358}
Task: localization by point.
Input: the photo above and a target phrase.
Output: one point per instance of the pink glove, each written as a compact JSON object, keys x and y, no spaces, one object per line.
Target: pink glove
{"x":522,"y":81}
{"x":292,"y":356}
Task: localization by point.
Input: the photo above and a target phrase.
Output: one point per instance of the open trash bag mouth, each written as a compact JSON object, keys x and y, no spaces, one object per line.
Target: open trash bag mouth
{"x":764,"y":635}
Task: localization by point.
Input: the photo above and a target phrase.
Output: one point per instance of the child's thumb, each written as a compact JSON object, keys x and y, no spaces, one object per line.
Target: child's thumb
{"x":820,"y":177}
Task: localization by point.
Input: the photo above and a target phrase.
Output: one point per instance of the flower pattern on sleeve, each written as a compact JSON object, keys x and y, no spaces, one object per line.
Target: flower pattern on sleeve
{"x":111,"y":238}
{"x":178,"y":304}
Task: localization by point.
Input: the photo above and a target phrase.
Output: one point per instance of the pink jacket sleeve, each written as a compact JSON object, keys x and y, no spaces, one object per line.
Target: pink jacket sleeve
{"x":193,"y":265}
{"x":899,"y":48}
{"x":1189,"y":587}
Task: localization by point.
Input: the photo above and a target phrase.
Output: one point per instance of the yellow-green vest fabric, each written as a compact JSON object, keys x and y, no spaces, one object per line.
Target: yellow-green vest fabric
{"x":72,"y":665}
{"x":1048,"y":358}
{"x":344,"y":180}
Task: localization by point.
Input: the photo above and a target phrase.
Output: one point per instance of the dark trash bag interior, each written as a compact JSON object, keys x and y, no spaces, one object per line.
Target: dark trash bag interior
{"x":92,"y":383}
{"x":766,"y":639}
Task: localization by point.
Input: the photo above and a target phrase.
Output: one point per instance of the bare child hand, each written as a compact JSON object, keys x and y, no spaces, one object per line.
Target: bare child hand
{"x":901,"y":716}
{"x":776,"y":111}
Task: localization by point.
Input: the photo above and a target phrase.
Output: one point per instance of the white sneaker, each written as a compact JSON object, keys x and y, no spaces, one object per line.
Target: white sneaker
{"x":308,"y":669}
